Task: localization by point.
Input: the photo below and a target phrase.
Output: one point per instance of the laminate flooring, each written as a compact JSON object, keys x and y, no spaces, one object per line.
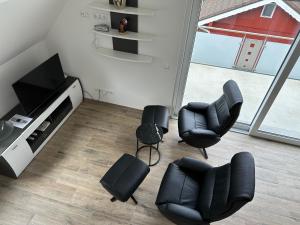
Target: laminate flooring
{"x":61,"y":186}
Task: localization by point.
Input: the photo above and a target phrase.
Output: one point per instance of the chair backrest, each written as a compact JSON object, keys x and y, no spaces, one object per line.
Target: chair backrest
{"x":233,"y":186}
{"x":223,"y":113}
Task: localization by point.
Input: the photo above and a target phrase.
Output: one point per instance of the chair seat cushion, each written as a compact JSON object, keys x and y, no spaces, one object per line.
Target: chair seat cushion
{"x":194,"y":130}
{"x":178,"y":188}
{"x":124,"y":177}
{"x":189,"y":120}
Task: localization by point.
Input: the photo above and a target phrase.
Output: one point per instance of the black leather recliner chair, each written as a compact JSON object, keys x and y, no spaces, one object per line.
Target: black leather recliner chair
{"x":194,"y":193}
{"x":202,"y":125}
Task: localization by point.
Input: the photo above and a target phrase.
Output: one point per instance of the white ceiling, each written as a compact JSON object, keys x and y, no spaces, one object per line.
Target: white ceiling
{"x":23,"y":23}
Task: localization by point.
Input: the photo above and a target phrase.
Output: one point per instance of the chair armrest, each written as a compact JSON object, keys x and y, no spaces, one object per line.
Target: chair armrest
{"x":181,"y":214}
{"x":201,"y":138}
{"x":242,"y":180}
{"x":193,"y":164}
{"x":197,"y":106}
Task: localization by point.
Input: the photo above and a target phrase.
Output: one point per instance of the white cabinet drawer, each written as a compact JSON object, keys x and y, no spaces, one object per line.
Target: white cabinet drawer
{"x":76,"y":94}
{"x":18,"y":156}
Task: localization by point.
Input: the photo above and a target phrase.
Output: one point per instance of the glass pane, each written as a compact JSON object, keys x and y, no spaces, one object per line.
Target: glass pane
{"x":268,"y":10}
{"x":283,"y":117}
{"x":242,"y":46}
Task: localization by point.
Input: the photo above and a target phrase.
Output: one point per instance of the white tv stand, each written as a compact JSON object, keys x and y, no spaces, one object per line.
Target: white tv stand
{"x":18,"y":150}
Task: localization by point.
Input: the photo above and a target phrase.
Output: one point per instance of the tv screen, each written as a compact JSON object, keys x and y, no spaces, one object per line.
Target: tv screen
{"x":36,"y":87}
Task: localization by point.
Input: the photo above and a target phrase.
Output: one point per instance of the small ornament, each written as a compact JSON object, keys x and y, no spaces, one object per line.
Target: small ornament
{"x":123,"y":25}
{"x":120,"y":4}
{"x":101,"y":27}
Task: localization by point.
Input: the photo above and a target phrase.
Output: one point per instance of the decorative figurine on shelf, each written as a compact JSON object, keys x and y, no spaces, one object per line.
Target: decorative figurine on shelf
{"x":123,"y":25}
{"x":120,"y":4}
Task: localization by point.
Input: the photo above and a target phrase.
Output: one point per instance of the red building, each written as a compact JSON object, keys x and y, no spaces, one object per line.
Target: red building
{"x":256,"y":21}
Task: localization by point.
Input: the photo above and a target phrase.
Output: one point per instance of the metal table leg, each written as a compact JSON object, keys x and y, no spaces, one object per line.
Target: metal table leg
{"x":151,"y":147}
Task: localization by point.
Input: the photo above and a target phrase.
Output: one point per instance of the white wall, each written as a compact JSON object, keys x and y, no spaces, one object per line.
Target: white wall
{"x":131,"y":84}
{"x":23,"y":26}
{"x":23,"y":23}
{"x":14,"y":69}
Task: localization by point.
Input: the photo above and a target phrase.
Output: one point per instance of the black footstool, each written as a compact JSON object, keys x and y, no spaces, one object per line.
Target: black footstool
{"x":124,"y":177}
{"x":157,"y":114}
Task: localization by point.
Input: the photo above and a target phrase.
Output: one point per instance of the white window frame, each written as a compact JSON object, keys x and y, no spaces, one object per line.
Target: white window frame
{"x":262,"y":12}
{"x":191,"y":21}
{"x":274,"y":90}
{"x":283,"y":73}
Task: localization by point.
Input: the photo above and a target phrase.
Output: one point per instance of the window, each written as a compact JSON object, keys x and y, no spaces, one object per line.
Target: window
{"x":268,"y":10}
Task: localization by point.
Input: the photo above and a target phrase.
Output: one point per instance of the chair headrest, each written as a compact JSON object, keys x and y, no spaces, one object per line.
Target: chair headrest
{"x":232,"y":94}
{"x":242,"y":183}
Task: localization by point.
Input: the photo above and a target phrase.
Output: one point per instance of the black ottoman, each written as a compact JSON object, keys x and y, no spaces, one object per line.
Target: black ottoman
{"x":158,"y":115}
{"x":124,"y":177}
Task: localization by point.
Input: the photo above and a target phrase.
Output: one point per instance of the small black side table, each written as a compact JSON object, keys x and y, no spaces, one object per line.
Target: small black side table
{"x":149,"y":134}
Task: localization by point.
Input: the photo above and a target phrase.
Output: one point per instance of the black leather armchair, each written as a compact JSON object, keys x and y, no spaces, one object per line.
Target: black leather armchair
{"x":194,"y":193}
{"x":202,"y":125}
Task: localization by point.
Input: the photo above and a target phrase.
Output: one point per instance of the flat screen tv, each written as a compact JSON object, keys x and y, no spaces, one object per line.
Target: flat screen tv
{"x":39,"y":85}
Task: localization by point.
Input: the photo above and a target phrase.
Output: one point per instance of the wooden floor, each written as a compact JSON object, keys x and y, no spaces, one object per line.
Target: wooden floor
{"x":61,"y":186}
